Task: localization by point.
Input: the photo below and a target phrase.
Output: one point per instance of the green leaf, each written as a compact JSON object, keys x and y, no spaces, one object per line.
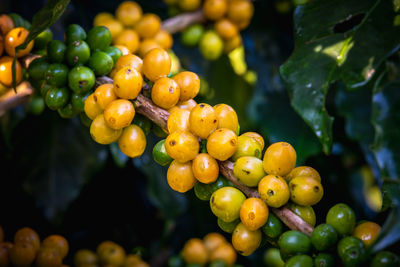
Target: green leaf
{"x":325,"y":54}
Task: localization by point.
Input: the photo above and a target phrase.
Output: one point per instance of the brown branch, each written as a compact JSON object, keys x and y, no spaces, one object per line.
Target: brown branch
{"x":12,"y":99}
{"x":182,"y":21}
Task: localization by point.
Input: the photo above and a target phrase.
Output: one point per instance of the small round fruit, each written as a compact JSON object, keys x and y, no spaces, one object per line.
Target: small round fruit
{"x":305,"y":191}
{"x":247,"y":146}
{"x":385,"y":259}
{"x":228,"y":227}
{"x":211,"y":45}
{"x":182,"y":146}
{"x":203,"y":191}
{"x":27,"y":235}
{"x":189,"y":84}
{"x":279,"y":159}
{"x":249,"y":170}
{"x":77,"y":53}
{"x":253,"y":213}
{"x":195,"y":251}
{"x":165,"y":93}
{"x":213,"y":240}
{"x":114,"y":53}
{"x":192,"y":35}
{"x":324,"y":260}
{"x":227,"y":117}
{"x":160,"y":154}
{"x":129,"y":60}
{"x":245,"y":241}
{"x":226,"y":29}
{"x":367,"y":232}
{"x":146,"y":46}
{"x":56,"y":51}
{"x":305,"y":212}
{"x":57,"y":98}
{"x":178,"y":120}
{"x":240,"y":10}
{"x":148,"y":26}
{"x":124,"y":50}
{"x":189,"y":5}
{"x":129,"y":13}
{"x":6,"y":24}
{"x":342,"y":218}
{"x":225,"y":253}
{"x":164,"y":39}
{"x":111,"y":254}
{"x":14,"y":38}
{"x":222,"y":144}
{"x":6,"y":71}
{"x":203,"y":120}
{"x":57,"y":74}
{"x":274,"y":191}
{"x":91,"y":108}
{"x":128,"y":83}
{"x":303,"y":171}
{"x":132,"y":141}
{"x":272,"y":258}
{"x":232,"y":44}
{"x":101,"y":133}
{"x":156,"y":64}
{"x":101,"y":63}
{"x":81,"y":79}
{"x":294,"y":242}
{"x":188,"y":105}
{"x":73,"y":33}
{"x":324,"y":237}
{"x":180,"y":176}
{"x":67,"y":111}
{"x":273,"y":228}
{"x":215,"y":9}
{"x":104,"y":95}
{"x":48,"y":257}
{"x":128,"y":38}
{"x":351,"y":251}
{"x":22,"y":254}
{"x":205,"y":168}
{"x":300,"y":261}
{"x":37,"y":68}
{"x":119,"y":114}
{"x":226,"y":202}
{"x":99,"y":38}
{"x":85,"y":257}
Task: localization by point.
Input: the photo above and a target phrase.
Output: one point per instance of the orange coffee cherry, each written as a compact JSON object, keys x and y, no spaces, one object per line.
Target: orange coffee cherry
{"x":5,"y":248}
{"x":102,"y":133}
{"x":27,"y":235}
{"x":194,"y":251}
{"x":279,"y":159}
{"x":178,"y":120}
{"x":205,"y":168}
{"x":255,"y":136}
{"x":213,"y":240}
{"x":203,"y":120}
{"x":85,"y":257}
{"x":114,"y":26}
{"x":6,"y":71}
{"x":164,"y":39}
{"x":233,"y":43}
{"x":57,"y":242}
{"x":182,"y":146}
{"x":148,"y":26}
{"x":156,"y":64}
{"x":189,"y":83}
{"x":147,"y":45}
{"x":226,"y":29}
{"x":132,"y":141}
{"x":303,"y":171}
{"x":165,"y":93}
{"x":188,"y":105}
{"x":119,"y":114}
{"x":128,"y":83}
{"x":124,"y":50}
{"x":48,"y":257}
{"x":227,"y":117}
{"x":128,"y":38}
{"x":222,"y":144}
{"x":240,"y":10}
{"x":6,"y":24}
{"x":129,"y":60}
{"x":225,"y":253}
{"x":14,"y":38}
{"x":111,"y":254}
{"x":244,"y":240}
{"x":180,"y":176}
{"x":189,"y":5}
{"x":367,"y":232}
{"x":128,"y":13}
{"x":274,"y":190}
{"x":215,"y":9}
{"x":305,"y":191}
{"x":92,"y":109}
{"x":22,"y":254}
{"x":104,"y":95}
{"x":253,"y":213}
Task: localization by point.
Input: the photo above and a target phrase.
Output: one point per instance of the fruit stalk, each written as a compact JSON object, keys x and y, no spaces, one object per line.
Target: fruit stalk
{"x":181,"y":22}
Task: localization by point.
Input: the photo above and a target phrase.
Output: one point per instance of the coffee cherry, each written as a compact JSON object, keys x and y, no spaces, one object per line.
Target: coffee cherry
{"x":188,"y":105}
{"x":255,"y":136}
{"x":102,"y":133}
{"x":148,"y":26}
{"x":92,"y":109}
{"x":119,"y":114}
{"x":129,"y":60}
{"x":57,"y":242}
{"x":247,"y":146}
{"x":226,"y":29}
{"x":182,"y":146}
{"x":205,"y":168}
{"x":6,"y":24}
{"x":222,"y":144}
{"x":128,"y":83}
{"x":128,"y":13}
{"x":274,"y":191}
{"x":203,"y":120}
{"x":124,"y":50}
{"x":211,"y":45}
{"x":165,"y":93}
{"x":80,"y":79}
{"x":324,"y":260}
{"x":294,"y":242}
{"x":352,"y":251}
{"x":367,"y":232}
{"x":273,"y":258}
{"x":249,"y":170}
{"x":99,"y":38}
{"x":225,"y":203}
{"x":189,"y":84}
{"x":192,"y":35}
{"x":14,"y":38}
{"x":6,"y":71}
{"x":156,"y":64}
{"x":114,"y":53}
{"x":104,"y":95}
{"x":195,"y":251}
{"x":240,"y":10}
{"x":57,"y":97}
{"x":305,"y":212}
{"x":164,"y":39}
{"x":213,"y":240}
{"x":279,"y":159}
{"x":228,"y":227}
{"x":245,"y":241}
{"x":273,"y":228}
{"x":101,"y":63}
{"x":147,"y":45}
{"x":227,"y":117}
{"x":303,"y":171}
{"x":180,"y":176}
{"x":74,"y":32}
{"x":160,"y":154}
{"x":300,"y":261}
{"x":128,"y":38}
{"x":324,"y":237}
{"x":305,"y":191}
{"x":232,"y":43}
{"x":385,"y":259}
{"x":215,"y":9}
{"x":253,"y":213}
{"x":178,"y":120}
{"x":189,"y":5}
{"x":342,"y":218}
{"x":56,"y":51}
{"x":132,"y":141}
{"x":224,"y":253}
{"x":77,"y":53}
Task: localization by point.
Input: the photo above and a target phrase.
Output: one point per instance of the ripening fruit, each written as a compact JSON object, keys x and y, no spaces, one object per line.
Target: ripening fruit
{"x":156,"y":64}
{"x":180,"y":176}
{"x":178,"y":120}
{"x":215,"y":9}
{"x":164,"y":39}
{"x":203,"y":120}
{"x":128,"y":83}
{"x":128,"y":38}
{"x":48,"y":257}
{"x":57,"y":242}
{"x":27,"y":235}
{"x":205,"y":168}
{"x":233,"y":43}
{"x":305,"y":212}
{"x":274,"y":191}
{"x":6,"y":71}
{"x":253,"y":213}
{"x":147,"y":45}
{"x":188,"y":105}
{"x":226,"y":202}
{"x":14,"y":38}
{"x":305,"y":191}
{"x":303,"y":171}
{"x":189,"y":83}
{"x":249,"y":170}
{"x":182,"y":146}
{"x":119,"y":114}
{"x":195,"y":252}
{"x":85,"y":257}
{"x":211,"y":45}
{"x":247,"y":146}
{"x":114,"y":26}
{"x":222,"y":144}
{"x":92,"y":109}
{"x":148,"y":26}
{"x":22,"y":254}
{"x":367,"y":232}
{"x":227,"y":117}
{"x":102,"y":133}
{"x":189,"y":5}
{"x":342,"y":218}
{"x":256,"y":136}
{"x":6,"y":24}
{"x":245,"y":241}
{"x":132,"y":141}
{"x":225,"y":253}
{"x":128,"y":13}
{"x":102,"y":17}
{"x":124,"y":50}
{"x":279,"y":159}
{"x":226,"y":29}
{"x":240,"y":10}
{"x":129,"y":60}
{"x":104,"y":95}
{"x":165,"y":93}
{"x":110,"y":254}
{"x":213,"y":240}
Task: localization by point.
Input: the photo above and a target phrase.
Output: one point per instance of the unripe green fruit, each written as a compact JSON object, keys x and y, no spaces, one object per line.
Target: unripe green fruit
{"x":211,"y":45}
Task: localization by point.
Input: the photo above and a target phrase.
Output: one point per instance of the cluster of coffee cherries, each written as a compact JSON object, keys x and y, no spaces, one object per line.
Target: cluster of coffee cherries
{"x":134,"y":32}
{"x":213,"y":250}
{"x":108,"y":253}
{"x":28,"y":250}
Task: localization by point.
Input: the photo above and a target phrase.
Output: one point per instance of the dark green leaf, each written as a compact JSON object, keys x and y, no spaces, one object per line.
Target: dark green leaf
{"x":390,"y":232}
{"x":334,"y":49}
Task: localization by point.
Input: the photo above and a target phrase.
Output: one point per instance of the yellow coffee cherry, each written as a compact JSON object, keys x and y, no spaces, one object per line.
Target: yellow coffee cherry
{"x":124,"y":50}
{"x":189,"y":5}
{"x":119,"y":114}
{"x":226,"y":29}
{"x":253,"y":213}
{"x":213,"y":240}
{"x":224,"y":252}
{"x":240,"y":10}
{"x":182,"y":146}
{"x":195,"y":252}
{"x":164,"y":39}
{"x":279,"y":159}
{"x":205,"y":168}
{"x":245,"y":241}
{"x":189,"y":83}
{"x":132,"y":141}
{"x":248,"y":170}
{"x":114,"y":26}
{"x":101,"y":17}
{"x":188,"y":105}
{"x":128,"y":38}
{"x":178,"y":120}
{"x":203,"y":120}
{"x":148,"y":26}
{"x":156,"y":64}
{"x":101,"y":133}
{"x":104,"y":95}
{"x":146,"y":45}
{"x":14,"y":38}
{"x":232,"y":43}
{"x":227,"y":117}
{"x":165,"y":93}
{"x":180,"y":176}
{"x":215,"y":9}
{"x":91,"y":108}
{"x":247,"y":146}
{"x":274,"y":191}
{"x":128,"y":13}
{"x":225,"y":203}
{"x":305,"y":212}
{"x":128,"y":83}
{"x":129,"y":60}
{"x":367,"y":232}
{"x":303,"y":171}
{"x":222,"y":144}
{"x":256,"y":136}
{"x":305,"y":191}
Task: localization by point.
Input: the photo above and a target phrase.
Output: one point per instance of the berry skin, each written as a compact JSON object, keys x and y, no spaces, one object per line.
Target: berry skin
{"x":228,"y":227}
{"x":132,"y":141}
{"x":227,"y":117}
{"x":188,"y":105}
{"x":101,"y":133}
{"x":56,"y":74}
{"x":77,"y":53}
{"x":99,"y":38}
{"x":81,"y":79}
{"x":324,"y":237}
{"x":164,"y":39}
{"x":165,"y":93}
{"x":300,"y":261}
{"x":57,"y":98}
{"x":101,"y":63}
{"x":180,"y":176}
{"x":156,"y":64}
{"x":147,"y":45}
{"x":224,"y":252}
{"x":247,"y":146}
{"x":101,"y":17}
{"x":305,"y":212}
{"x":160,"y":154}
{"x":273,"y":228}
{"x":303,"y":171}
{"x":351,"y":251}
{"x":111,"y":254}
{"x":27,"y":235}
{"x":5,"y":248}
{"x":189,"y":5}
{"x":231,"y":44}
{"x":249,"y":170}
{"x":342,"y":218}
{"x":189,"y":84}
{"x":211,"y":45}
{"x":256,"y":136}
{"x":240,"y":11}
{"x":6,"y":24}
{"x":385,"y":259}
{"x":128,"y":38}
{"x":104,"y":95}
{"x":294,"y":242}
{"x":226,"y":29}
{"x":222,"y":144}
{"x":305,"y":191}
{"x":58,"y":242}
{"x":114,"y":26}
{"x":91,"y":108}
{"x":129,"y":13}
{"x":203,"y":120}
{"x":48,"y":257}
{"x":73,"y":33}
{"x":195,"y":252}
{"x":215,"y":9}
{"x":37,"y":68}
{"x":274,"y":191}
{"x":279,"y":159}
{"x":253,"y":213}
{"x":128,"y":83}
{"x":124,"y":50}
{"x":129,"y":60}
{"x":226,"y":202}
{"x":182,"y":146}
{"x":192,"y":35}
{"x":205,"y":168}
{"x":56,"y":51}
{"x":148,"y":26}
{"x":14,"y":38}
{"x":22,"y":254}
{"x":272,"y":258}
{"x":324,"y":260}
{"x":114,"y":53}
{"x":6,"y":71}
{"x":213,"y":240}
{"x":245,"y":241}
{"x":119,"y":114}
{"x":178,"y":120}
{"x":367,"y":232}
